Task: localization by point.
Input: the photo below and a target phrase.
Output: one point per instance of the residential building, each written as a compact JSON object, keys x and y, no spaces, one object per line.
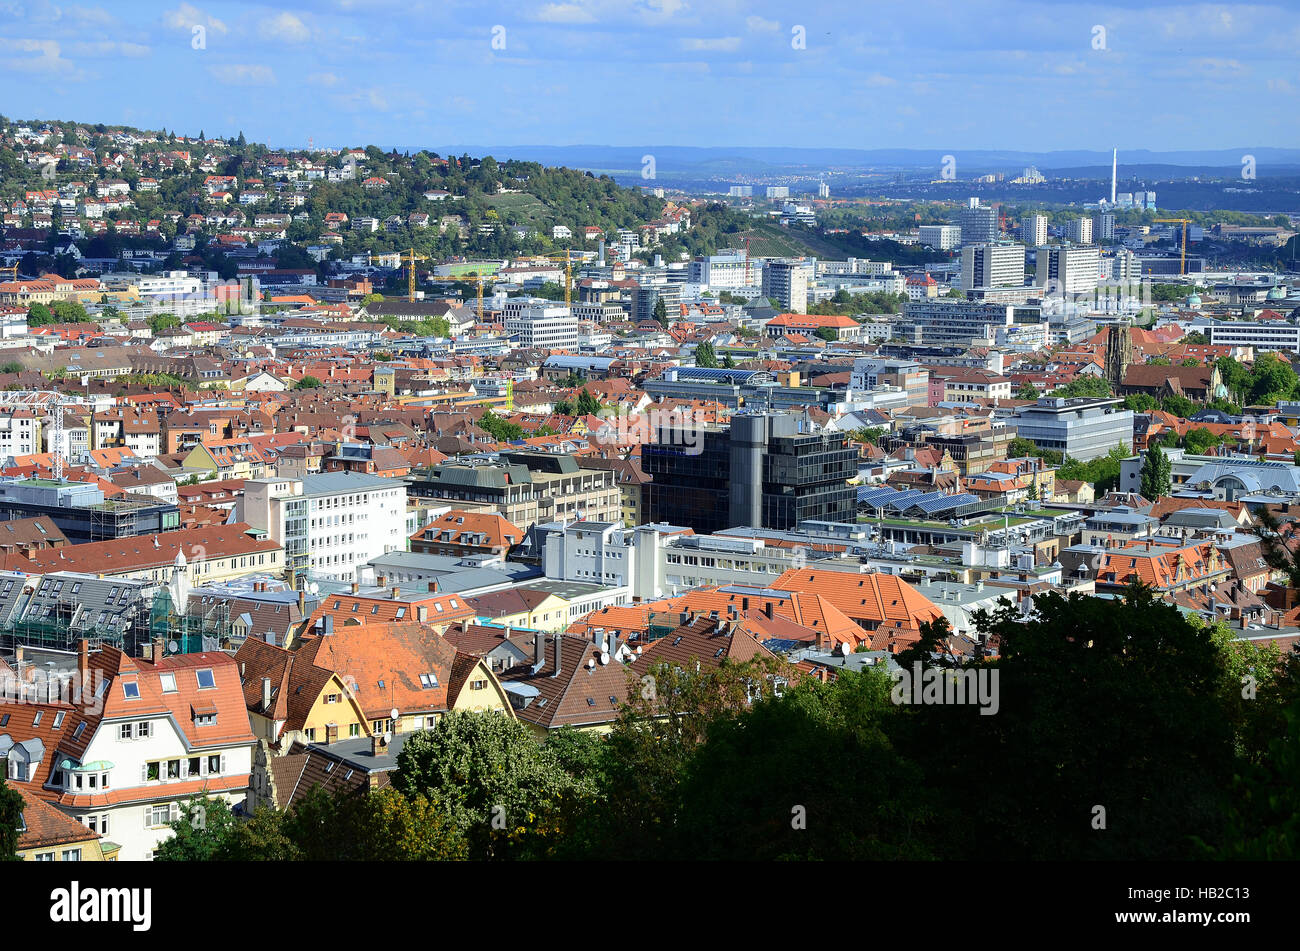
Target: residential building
{"x":1033,"y":230}
{"x":940,"y":237}
{"x":787,"y":281}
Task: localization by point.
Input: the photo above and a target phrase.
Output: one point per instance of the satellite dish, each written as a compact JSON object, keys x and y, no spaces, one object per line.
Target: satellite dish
{"x":393,"y":713}
{"x":604,"y":657}
{"x":591,"y":664}
{"x":173,"y":647}
{"x":388,"y":737}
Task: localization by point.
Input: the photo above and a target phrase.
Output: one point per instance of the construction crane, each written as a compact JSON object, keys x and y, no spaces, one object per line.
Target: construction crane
{"x":1182,"y":266}
{"x":12,"y":270}
{"x":567,"y":257}
{"x":409,"y":257}
{"x":480,"y":279}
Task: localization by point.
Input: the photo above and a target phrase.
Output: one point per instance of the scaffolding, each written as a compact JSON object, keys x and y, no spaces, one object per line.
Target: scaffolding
{"x":151,"y":618}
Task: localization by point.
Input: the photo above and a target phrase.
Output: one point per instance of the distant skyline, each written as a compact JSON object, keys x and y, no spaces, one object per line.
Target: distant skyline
{"x":922,"y":74}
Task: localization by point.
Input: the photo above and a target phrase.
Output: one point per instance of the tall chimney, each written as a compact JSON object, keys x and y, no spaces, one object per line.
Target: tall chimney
{"x":266,"y":693}
{"x":539,"y":649}
{"x":558,"y":652}
{"x":767,"y":610}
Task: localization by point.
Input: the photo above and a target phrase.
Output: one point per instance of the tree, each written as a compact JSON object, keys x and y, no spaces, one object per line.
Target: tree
{"x":12,"y":366}
{"x":308,"y":383}
{"x":1179,"y":405}
{"x":1027,"y":391}
{"x":203,"y":832}
{"x":869,"y":434}
{"x":160,"y":322}
{"x":1157,"y":474}
{"x":38,"y":315}
{"x":11,"y":815}
{"x":827,"y":333}
{"x":501,"y":430}
{"x":1141,"y":402}
{"x":587,"y":405}
{"x":1020,"y":446}
{"x":502,"y":790}
{"x":661,"y":311}
{"x":1200,"y":440}
{"x":704,"y":355}
{"x":1093,"y":387}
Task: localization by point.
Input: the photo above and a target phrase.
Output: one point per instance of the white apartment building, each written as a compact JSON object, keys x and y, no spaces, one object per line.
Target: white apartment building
{"x":538,"y":324}
{"x":1079,"y":230}
{"x":329,"y":524}
{"x":1033,"y":230}
{"x":122,"y":744}
{"x":20,"y":433}
{"x":940,"y":237}
{"x":787,"y":282}
{"x":726,"y":270}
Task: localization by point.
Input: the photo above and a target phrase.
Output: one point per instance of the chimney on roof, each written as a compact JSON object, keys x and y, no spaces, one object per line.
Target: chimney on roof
{"x":433,"y":585}
{"x":302,"y":602}
{"x":356,"y":586}
{"x":396,"y":592}
{"x":380,"y":580}
{"x":767,"y":610}
{"x":266,"y":693}
{"x":556,"y":672}
{"x":378,"y":747}
{"x":83,"y":659}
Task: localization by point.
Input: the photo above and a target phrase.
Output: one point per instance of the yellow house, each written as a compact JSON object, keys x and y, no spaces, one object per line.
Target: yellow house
{"x":47,"y":835}
{"x":523,"y":607}
{"x":290,"y":698}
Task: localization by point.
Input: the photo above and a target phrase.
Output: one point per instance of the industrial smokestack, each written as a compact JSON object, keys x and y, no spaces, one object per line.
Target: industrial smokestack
{"x":1114,"y":169}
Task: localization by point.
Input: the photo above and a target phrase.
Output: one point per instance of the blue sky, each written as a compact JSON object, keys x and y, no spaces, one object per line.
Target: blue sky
{"x":871,"y":73}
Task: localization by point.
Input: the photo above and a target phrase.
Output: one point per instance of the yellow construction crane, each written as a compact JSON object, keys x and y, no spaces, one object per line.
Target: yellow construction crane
{"x":409,"y":257}
{"x":1182,"y":267}
{"x":567,"y":258}
{"x":480,"y":279}
{"x":12,"y":270}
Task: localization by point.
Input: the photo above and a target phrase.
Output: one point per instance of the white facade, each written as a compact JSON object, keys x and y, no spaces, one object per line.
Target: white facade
{"x":548,"y":326}
{"x":329,"y":524}
{"x":992,"y":265}
{"x":20,"y":434}
{"x":1079,"y":230}
{"x":941,"y":237}
{"x":1033,"y":230}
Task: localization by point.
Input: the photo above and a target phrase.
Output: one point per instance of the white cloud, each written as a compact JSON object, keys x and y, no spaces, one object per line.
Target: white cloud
{"x":49,"y":58}
{"x":1281,"y":85}
{"x":187,"y":17}
{"x":285,"y":27}
{"x":721,"y":44}
{"x":564,"y":13}
{"x":664,"y":8}
{"x":109,"y":48}
{"x":879,"y":79}
{"x":323,"y":79}
{"x":759,"y":25}
{"x":243,"y":74}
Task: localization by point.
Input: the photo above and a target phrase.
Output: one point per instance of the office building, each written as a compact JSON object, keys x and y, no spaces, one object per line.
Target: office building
{"x":992,"y":265}
{"x":762,"y":471}
{"x":778,"y":191}
{"x":1079,"y":230}
{"x":740,"y":191}
{"x":979,"y":223}
{"x":330,"y":525}
{"x":787,"y":281}
{"x":81,"y":512}
{"x":940,"y":237}
{"x":1103,"y":227}
{"x":946,"y":320}
{"x":1080,"y":428}
{"x":523,"y":487}
{"x":544,"y":325}
{"x":1033,"y":230}
{"x":725,"y":270}
{"x":1068,"y":270}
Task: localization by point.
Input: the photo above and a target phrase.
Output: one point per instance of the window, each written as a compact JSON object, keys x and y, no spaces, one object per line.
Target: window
{"x":4,"y":720}
{"x":193,"y":765}
{"x":216,"y":764}
{"x":311,"y":734}
{"x":331,"y":698}
{"x":58,"y":719}
{"x":158,"y":815}
{"x":168,"y":683}
{"x":205,"y":719}
{"x":45,"y":856}
{"x":205,"y":678}
{"x":40,"y":715}
{"x":81,"y":728}
{"x":131,"y":690}
{"x":143,"y":728}
{"x":124,"y":731}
